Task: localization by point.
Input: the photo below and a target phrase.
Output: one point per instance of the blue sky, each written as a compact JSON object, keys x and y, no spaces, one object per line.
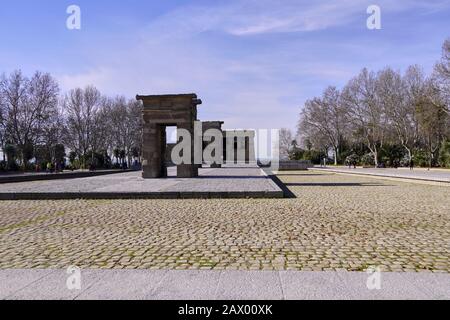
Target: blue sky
{"x":254,"y":63}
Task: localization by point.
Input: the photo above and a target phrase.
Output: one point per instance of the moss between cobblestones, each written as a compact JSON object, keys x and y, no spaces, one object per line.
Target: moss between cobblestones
{"x":29,"y":222}
{"x":357,"y":223}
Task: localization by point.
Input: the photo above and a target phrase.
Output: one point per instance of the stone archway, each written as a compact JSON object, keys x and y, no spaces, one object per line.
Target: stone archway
{"x":160,"y":111}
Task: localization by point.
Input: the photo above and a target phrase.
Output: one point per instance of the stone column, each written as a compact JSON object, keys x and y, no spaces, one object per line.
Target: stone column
{"x":207,"y":125}
{"x":251,"y":147}
{"x":153,"y":141}
{"x":159,"y":112}
{"x":240,"y":152}
{"x":188,"y":170}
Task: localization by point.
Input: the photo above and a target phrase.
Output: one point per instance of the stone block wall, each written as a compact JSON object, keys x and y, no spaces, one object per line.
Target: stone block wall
{"x":160,"y":111}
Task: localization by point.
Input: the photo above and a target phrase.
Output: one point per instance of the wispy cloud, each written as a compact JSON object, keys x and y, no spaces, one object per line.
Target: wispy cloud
{"x":227,"y":54}
{"x":244,"y":18}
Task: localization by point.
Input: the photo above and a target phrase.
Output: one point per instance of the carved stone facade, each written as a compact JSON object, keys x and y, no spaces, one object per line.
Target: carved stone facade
{"x":159,"y":112}
{"x":239,"y":147}
{"x":180,"y":110}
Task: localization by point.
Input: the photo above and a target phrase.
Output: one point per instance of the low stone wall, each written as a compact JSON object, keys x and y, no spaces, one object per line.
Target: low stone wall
{"x":13,"y":178}
{"x":286,"y":165}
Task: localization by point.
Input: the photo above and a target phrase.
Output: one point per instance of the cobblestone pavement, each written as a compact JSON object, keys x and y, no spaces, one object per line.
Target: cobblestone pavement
{"x":336,"y":222}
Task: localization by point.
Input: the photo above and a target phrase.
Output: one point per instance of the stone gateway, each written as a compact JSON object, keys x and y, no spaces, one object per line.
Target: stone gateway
{"x":159,"y":112}
{"x":216,"y":146}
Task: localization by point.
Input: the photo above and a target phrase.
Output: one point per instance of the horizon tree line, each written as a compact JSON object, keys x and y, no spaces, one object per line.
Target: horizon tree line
{"x":379,"y":118}
{"x":39,"y":123}
{"x":385,"y":117}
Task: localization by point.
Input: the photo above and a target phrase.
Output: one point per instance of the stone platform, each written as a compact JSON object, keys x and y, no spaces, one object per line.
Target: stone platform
{"x":236,"y":182}
{"x":35,"y":176}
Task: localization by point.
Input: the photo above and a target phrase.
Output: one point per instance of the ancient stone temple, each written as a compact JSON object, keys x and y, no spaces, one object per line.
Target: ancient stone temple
{"x":239,"y":147}
{"x":159,"y":112}
{"x":180,"y":110}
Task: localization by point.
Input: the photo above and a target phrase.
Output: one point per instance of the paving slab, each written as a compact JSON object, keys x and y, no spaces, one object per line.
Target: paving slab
{"x":238,"y":182}
{"x":187,"y":285}
{"x":12,"y":281}
{"x":434,"y":285}
{"x":392,"y":286}
{"x":54,"y":286}
{"x":124,"y":285}
{"x":221,"y":285}
{"x":249,"y":285}
{"x":313,"y":285}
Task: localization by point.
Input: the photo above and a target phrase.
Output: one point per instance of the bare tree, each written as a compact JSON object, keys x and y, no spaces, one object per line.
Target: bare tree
{"x":136,"y":124}
{"x":315,"y":140}
{"x":13,"y":90}
{"x":383,"y":113}
{"x":126,"y":126}
{"x":52,"y":136}
{"x":442,"y":78}
{"x":29,"y":104}
{"x":328,"y":117}
{"x":3,"y":110}
{"x":75,"y":128}
{"x":433,"y":121}
{"x":100,"y":130}
{"x":399,"y":97}
{"x":367,"y":116}
{"x":286,"y":139}
{"x":81,"y":107}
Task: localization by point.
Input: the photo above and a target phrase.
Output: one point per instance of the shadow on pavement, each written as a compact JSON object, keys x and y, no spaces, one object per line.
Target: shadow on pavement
{"x":286,"y":191}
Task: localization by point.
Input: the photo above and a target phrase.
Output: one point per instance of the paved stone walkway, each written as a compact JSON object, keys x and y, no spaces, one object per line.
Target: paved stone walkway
{"x":224,"y":182}
{"x":434,"y":175}
{"x":13,"y":177}
{"x":336,"y":222}
{"x":225,"y":285}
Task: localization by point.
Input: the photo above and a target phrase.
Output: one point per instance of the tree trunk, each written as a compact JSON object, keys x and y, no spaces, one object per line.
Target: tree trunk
{"x":409,"y":153}
{"x":375,"y":157}
{"x":336,"y":151}
{"x":431,"y":160}
{"x":374,"y":151}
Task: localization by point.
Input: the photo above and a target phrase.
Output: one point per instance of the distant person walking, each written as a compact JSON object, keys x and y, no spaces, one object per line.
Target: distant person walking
{"x":411,"y":164}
